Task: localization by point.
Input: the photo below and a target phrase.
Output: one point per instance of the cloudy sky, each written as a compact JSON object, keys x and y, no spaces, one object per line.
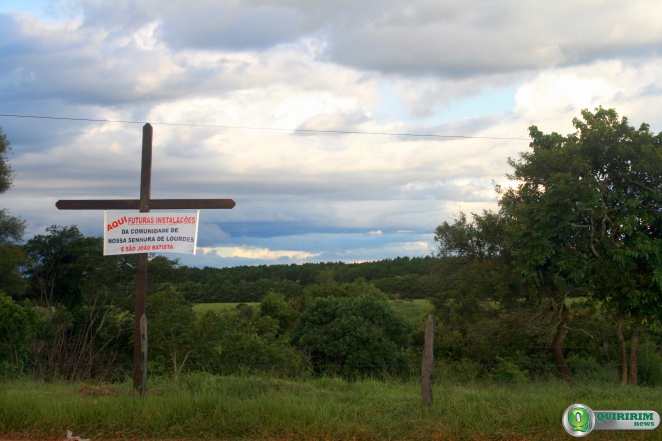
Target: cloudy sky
{"x":482,"y":69}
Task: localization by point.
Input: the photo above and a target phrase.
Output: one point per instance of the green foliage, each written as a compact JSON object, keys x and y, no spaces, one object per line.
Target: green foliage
{"x":416,"y":311}
{"x":208,"y":333}
{"x":505,"y":371}
{"x":462,"y":371}
{"x":245,"y":284}
{"x":17,"y":328}
{"x":650,"y":369}
{"x":85,"y":300}
{"x":59,"y":262}
{"x":273,"y":305}
{"x":584,"y":219}
{"x":479,"y":239}
{"x":163,"y":270}
{"x":11,"y":228}
{"x":12,"y":262}
{"x":409,"y":286}
{"x":582,"y":365}
{"x":12,"y":258}
{"x":255,"y":343}
{"x":175,"y":331}
{"x":64,"y":263}
{"x":201,"y":308}
{"x":353,"y":335}
{"x":6,"y":173}
{"x":589,"y":210}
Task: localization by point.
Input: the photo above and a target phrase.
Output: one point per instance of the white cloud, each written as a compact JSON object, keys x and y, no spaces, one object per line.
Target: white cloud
{"x":451,"y":38}
{"x":255,"y":253}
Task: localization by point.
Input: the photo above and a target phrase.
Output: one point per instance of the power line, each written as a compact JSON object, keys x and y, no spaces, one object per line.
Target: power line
{"x":341,"y":132}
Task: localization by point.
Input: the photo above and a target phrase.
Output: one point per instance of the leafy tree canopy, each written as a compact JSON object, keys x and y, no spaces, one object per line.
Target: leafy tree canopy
{"x":6,"y":172}
{"x":588,"y":201}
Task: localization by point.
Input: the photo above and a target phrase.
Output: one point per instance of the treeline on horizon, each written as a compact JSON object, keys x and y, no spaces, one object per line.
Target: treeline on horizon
{"x":399,"y":278}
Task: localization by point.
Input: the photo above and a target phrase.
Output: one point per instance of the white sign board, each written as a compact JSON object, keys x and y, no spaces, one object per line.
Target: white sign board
{"x":150,"y":233}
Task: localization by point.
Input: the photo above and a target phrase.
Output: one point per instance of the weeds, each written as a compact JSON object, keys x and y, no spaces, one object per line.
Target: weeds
{"x":204,"y":406}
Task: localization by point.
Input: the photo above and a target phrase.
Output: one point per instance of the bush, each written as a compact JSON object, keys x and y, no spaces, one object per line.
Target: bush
{"x":650,"y":366}
{"x":254,"y":344}
{"x":273,"y":305}
{"x":17,"y":324}
{"x":353,"y":336}
{"x":505,"y":371}
{"x":463,"y":371}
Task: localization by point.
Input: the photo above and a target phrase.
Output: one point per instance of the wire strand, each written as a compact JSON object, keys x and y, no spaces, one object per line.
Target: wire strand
{"x":340,"y":132}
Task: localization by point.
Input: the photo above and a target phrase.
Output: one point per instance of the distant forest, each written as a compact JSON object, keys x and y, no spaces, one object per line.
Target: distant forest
{"x":402,"y":278}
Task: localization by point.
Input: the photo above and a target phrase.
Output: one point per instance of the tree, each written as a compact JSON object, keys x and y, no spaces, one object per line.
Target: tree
{"x":586,"y":215}
{"x":6,"y":172}
{"x":274,"y":305}
{"x":486,"y":311}
{"x":59,"y":262}
{"x":171,"y":324}
{"x":350,"y":336}
{"x":12,"y":258}
{"x":85,"y":302}
{"x":11,"y":228}
{"x":17,"y":326}
{"x":251,"y":342}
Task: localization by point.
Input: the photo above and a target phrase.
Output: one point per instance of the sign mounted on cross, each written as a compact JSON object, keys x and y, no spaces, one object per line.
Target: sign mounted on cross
{"x":144,"y":204}
{"x":150,"y":232}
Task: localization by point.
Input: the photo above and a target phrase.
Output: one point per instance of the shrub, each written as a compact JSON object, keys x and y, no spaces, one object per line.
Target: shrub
{"x":350,"y":336}
{"x":505,"y":371}
{"x":650,"y":366}
{"x":17,"y":324}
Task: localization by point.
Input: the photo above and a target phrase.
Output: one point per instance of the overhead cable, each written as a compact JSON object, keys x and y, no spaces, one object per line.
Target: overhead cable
{"x":341,"y":132}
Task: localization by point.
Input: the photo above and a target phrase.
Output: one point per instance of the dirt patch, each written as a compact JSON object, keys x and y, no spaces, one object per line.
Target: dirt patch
{"x":102,"y":391}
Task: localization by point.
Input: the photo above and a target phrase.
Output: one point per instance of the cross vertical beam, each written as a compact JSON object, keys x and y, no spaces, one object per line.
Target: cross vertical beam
{"x":139,"y":360}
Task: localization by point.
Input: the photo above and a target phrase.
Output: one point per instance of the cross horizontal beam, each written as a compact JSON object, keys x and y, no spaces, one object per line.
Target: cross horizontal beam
{"x":155,"y":204}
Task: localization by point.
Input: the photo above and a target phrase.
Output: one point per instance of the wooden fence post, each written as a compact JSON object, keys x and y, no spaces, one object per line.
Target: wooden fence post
{"x":428,"y":362}
{"x":143,"y":353}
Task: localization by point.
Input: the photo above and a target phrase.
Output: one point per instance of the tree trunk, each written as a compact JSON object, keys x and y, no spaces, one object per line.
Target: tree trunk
{"x":623,"y":357}
{"x":634,"y":351}
{"x":557,"y":346}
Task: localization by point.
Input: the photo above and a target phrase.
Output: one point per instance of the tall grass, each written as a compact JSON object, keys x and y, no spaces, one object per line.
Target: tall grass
{"x":204,"y":406}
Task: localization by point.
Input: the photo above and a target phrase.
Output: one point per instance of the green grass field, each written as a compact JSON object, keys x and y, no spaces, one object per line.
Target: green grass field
{"x":201,"y":308}
{"x":202,"y":406}
{"x":414,"y":310}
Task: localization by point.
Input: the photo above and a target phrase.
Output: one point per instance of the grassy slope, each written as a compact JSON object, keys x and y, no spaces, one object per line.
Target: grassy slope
{"x":218,"y":307}
{"x":207,"y":407}
{"x":414,"y":310}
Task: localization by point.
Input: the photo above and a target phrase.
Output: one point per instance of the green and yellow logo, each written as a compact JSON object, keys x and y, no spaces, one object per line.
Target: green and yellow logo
{"x":578,"y":420}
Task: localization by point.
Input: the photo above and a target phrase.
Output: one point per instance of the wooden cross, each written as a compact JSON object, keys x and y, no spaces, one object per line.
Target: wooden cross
{"x":144,"y":204}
